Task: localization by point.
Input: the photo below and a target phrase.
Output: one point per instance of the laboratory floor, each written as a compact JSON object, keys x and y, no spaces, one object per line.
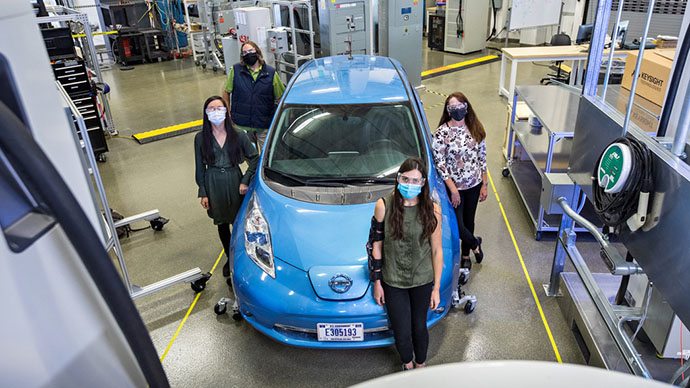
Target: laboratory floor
{"x":212,"y":350}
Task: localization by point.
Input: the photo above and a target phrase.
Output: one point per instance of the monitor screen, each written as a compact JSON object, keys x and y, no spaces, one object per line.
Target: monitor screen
{"x":584,"y":33}
{"x":621,"y":34}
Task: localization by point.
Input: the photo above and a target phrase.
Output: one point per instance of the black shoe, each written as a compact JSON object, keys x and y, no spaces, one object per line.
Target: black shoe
{"x":226,"y":269}
{"x":465,"y":263}
{"x":479,"y":256}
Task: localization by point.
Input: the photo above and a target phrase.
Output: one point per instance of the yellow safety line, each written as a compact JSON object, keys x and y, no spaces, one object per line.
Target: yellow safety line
{"x":163,"y":130}
{"x":524,"y":269}
{"x":94,"y":34}
{"x":460,"y":64}
{"x":189,"y":311}
{"x":566,"y":68}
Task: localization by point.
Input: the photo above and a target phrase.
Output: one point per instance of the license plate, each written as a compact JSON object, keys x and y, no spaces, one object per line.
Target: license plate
{"x":340,"y":331}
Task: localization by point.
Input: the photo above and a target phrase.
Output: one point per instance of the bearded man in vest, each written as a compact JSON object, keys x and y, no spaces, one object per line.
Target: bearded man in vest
{"x":255,"y":88}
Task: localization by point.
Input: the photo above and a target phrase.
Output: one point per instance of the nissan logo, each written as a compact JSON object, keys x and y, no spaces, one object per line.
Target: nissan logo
{"x":340,"y":283}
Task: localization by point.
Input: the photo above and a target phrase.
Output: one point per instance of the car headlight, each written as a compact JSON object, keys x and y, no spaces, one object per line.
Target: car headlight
{"x":257,"y":238}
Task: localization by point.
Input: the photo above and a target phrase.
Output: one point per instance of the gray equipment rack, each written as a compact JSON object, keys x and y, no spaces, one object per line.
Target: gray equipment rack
{"x":540,"y":150}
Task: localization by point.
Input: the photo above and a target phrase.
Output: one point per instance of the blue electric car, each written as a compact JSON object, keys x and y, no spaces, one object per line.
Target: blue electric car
{"x":340,"y":133}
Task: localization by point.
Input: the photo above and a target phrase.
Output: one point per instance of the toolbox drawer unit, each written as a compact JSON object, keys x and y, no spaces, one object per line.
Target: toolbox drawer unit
{"x":73,"y":77}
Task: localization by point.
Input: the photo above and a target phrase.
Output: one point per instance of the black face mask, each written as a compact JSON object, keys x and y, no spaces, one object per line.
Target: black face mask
{"x":458,"y":114}
{"x":250,"y":59}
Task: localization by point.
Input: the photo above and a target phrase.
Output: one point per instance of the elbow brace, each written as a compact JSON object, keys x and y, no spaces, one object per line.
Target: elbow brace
{"x":375,"y":234}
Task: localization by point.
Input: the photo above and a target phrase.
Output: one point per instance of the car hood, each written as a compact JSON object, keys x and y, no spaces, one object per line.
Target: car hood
{"x":307,"y":235}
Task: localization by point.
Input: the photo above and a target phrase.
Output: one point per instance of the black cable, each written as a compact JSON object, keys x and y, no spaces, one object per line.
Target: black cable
{"x":459,"y":24}
{"x":616,"y":208}
{"x":36,"y":169}
{"x":498,"y":33}
{"x":493,"y":28}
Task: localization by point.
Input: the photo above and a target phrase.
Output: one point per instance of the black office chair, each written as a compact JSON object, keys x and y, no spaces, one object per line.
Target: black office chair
{"x":561,"y":39}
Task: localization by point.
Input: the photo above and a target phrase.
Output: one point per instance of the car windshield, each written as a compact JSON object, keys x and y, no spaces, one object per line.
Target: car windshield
{"x":319,"y":144}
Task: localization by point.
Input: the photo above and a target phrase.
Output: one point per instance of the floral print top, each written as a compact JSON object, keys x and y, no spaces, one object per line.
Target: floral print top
{"x":458,"y":156}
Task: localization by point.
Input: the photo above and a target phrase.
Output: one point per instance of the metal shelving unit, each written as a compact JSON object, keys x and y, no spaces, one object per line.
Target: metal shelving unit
{"x":66,"y":15}
{"x":290,"y":66}
{"x":194,"y":276}
{"x":541,"y":150}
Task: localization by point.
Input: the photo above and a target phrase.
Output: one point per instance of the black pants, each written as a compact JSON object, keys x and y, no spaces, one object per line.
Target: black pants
{"x":224,"y":234}
{"x":407,"y":309}
{"x":465,"y":213}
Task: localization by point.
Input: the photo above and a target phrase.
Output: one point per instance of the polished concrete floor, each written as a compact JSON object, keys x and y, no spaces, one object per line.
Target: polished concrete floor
{"x":213,"y":350}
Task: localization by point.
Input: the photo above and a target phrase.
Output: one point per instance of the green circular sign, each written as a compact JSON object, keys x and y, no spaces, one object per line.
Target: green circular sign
{"x":614,"y":167}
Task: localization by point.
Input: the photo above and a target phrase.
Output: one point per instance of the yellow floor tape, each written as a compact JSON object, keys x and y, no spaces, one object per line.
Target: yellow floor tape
{"x":189,"y":311}
{"x":524,"y":269}
{"x":164,"y":130}
{"x":459,"y":65}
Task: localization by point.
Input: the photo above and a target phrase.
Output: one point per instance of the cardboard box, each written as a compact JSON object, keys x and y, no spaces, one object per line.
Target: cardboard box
{"x":654,"y":74}
{"x":639,"y":115}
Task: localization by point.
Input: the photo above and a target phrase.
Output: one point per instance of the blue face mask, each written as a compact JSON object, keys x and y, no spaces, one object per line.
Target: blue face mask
{"x":408,"y":190}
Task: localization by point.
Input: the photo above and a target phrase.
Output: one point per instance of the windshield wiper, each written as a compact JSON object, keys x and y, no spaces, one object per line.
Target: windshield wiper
{"x":353,"y":179}
{"x":301,"y":180}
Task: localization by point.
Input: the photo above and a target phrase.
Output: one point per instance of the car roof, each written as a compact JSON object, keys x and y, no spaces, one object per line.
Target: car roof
{"x":340,"y":80}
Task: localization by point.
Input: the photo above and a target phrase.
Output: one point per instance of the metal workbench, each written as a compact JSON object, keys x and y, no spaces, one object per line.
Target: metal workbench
{"x":540,"y":150}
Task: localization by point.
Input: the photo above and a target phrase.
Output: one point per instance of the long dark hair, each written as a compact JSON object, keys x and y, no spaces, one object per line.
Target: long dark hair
{"x":232,"y":142}
{"x":473,"y":124}
{"x":426,"y":205}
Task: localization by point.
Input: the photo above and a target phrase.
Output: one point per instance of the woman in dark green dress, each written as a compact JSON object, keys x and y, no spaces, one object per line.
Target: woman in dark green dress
{"x":218,"y":152}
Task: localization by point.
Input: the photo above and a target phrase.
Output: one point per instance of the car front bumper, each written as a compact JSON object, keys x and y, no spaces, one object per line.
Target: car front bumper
{"x":288,"y":310}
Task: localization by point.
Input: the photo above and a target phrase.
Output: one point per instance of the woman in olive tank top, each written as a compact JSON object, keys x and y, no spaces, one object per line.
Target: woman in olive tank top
{"x":410,"y":275}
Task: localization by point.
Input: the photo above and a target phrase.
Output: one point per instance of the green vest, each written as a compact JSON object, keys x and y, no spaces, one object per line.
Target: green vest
{"x":407,"y":262}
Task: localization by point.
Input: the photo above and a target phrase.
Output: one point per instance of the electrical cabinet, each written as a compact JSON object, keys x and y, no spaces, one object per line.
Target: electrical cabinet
{"x":252,"y":24}
{"x":278,"y":40}
{"x":400,"y":35}
{"x":436,"y":36}
{"x":343,"y":23}
{"x":224,"y":21}
{"x":465,"y":25}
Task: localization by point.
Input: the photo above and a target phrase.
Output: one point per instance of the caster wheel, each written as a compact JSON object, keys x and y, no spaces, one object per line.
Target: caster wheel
{"x":158,"y":223}
{"x":203,"y":65}
{"x":236,"y":316}
{"x":220,"y":308}
{"x":225,"y":72}
{"x":199,"y":285}
{"x":101,"y":158}
{"x":462,"y":280}
{"x":469,"y":307}
{"x":229,"y":282}
{"x":537,"y":236}
{"x":505,"y":172}
{"x":215,"y":69}
{"x":196,"y":63}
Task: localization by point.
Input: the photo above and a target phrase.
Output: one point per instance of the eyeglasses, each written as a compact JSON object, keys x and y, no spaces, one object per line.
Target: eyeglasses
{"x":457,"y":106}
{"x":250,"y":51}
{"x":406,"y":179}
{"x":216,"y":109}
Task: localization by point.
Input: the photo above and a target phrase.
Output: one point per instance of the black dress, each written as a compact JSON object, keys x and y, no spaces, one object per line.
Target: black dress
{"x":221,"y":181}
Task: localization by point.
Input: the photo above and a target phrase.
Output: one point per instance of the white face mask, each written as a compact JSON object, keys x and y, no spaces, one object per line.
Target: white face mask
{"x":216,"y":117}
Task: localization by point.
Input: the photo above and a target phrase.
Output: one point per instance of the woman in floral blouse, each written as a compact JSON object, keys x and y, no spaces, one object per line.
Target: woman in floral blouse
{"x":459,"y":150}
